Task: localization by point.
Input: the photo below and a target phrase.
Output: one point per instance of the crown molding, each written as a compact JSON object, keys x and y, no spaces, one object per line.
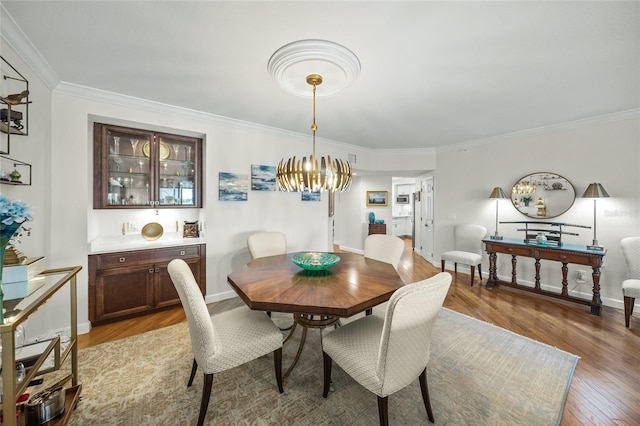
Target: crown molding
{"x":554,"y":128}
{"x":13,"y":35}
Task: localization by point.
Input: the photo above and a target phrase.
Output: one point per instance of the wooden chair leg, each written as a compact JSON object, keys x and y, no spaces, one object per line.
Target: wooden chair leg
{"x":326,"y":361}
{"x":473,"y":273}
{"x":206,"y":394}
{"x":277,"y":362}
{"x":383,"y":410}
{"x":455,"y":268}
{"x":442,"y":264}
{"x":628,"y":309}
{"x":194,"y":368}
{"x":480,"y":272}
{"x":425,"y":395}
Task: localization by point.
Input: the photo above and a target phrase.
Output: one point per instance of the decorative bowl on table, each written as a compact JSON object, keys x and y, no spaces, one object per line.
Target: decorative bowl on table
{"x":314,"y":261}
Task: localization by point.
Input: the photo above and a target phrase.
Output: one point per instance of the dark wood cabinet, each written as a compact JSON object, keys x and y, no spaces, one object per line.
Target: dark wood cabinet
{"x":136,"y":168}
{"x":377,"y":228}
{"x":130,"y":283}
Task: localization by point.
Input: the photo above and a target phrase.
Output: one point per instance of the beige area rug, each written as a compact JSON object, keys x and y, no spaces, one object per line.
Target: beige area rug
{"x":478,"y":374}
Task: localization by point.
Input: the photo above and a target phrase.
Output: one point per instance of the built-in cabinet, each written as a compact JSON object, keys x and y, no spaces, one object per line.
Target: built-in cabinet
{"x":130,"y":283}
{"x":402,"y":226}
{"x":136,"y":168}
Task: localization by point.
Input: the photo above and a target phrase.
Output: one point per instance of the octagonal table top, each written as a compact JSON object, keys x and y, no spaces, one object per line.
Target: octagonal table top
{"x":353,"y":285}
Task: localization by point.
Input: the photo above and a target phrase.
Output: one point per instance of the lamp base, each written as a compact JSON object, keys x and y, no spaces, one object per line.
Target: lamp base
{"x":595,"y":247}
{"x":496,"y":237}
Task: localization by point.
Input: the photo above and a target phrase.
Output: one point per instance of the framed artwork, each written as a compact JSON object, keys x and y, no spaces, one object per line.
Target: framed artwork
{"x":263,"y":178}
{"x":233,"y":187}
{"x":190,"y":230}
{"x":310,"y":196}
{"x":377,"y":198}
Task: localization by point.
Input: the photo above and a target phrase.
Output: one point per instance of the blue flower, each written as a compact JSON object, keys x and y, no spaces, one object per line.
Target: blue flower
{"x":12,"y":215}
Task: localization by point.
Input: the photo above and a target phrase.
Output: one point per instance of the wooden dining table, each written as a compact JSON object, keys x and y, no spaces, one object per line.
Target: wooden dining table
{"x":317,"y":299}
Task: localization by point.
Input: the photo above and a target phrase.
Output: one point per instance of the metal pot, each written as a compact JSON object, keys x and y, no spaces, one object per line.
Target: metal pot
{"x":45,"y":406}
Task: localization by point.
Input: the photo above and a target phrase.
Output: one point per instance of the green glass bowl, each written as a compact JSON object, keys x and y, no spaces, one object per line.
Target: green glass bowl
{"x":315,"y":261}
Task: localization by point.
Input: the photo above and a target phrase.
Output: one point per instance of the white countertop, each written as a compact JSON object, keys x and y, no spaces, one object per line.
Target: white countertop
{"x":109,"y":244}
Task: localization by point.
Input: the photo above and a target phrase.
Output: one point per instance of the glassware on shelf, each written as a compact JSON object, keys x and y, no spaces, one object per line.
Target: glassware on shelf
{"x":187,"y":153}
{"x":164,"y":168}
{"x":116,"y":145}
{"x":141,"y":165}
{"x":176,"y":149}
{"x":134,"y":143}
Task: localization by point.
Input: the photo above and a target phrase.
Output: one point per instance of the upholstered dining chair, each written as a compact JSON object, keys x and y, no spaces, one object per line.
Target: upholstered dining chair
{"x":631,"y":286}
{"x":386,"y":354}
{"x":468,"y":249}
{"x":385,"y":248}
{"x":225,"y":340}
{"x":263,"y":244}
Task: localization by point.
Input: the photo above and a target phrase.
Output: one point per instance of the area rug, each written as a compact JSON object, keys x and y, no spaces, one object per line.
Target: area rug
{"x":478,"y":374}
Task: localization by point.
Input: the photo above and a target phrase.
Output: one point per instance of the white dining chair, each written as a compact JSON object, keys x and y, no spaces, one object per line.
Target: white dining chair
{"x":386,"y":354}
{"x":385,"y":248}
{"x":468,"y":249}
{"x":631,"y":286}
{"x":225,"y":340}
{"x":264,"y":244}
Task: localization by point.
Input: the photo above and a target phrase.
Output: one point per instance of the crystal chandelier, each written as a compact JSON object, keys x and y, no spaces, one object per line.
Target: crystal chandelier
{"x":313,"y":174}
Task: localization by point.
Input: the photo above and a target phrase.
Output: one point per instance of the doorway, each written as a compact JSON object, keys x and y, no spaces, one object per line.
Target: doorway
{"x":426,"y":218}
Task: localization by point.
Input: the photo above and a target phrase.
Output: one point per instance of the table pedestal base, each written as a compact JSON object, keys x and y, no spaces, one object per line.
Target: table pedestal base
{"x":307,"y":321}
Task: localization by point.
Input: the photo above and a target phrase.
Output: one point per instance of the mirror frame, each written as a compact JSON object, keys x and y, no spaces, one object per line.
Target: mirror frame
{"x":547,"y":184}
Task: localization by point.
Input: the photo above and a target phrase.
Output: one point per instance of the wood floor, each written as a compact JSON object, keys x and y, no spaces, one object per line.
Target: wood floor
{"x":606,"y":383}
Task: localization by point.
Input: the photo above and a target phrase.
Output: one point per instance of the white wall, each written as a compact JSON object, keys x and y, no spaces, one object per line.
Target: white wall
{"x":605,"y":151}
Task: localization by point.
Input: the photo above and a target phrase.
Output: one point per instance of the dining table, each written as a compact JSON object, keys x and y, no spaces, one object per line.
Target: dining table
{"x":316,"y":298}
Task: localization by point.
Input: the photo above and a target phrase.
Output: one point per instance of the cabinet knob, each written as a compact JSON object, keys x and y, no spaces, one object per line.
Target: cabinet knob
{"x":122,"y":259}
{"x":151,"y":270}
{"x":183,"y":252}
{"x":157,"y":269}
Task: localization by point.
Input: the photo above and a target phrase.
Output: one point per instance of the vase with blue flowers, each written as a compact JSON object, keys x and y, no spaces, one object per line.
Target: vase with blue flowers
{"x":13,"y":214}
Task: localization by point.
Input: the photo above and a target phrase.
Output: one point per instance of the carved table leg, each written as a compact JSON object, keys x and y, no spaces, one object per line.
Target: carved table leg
{"x":514,"y":262}
{"x":596,"y":302}
{"x":537,"y":286}
{"x":565,"y":283}
{"x":493,"y":276}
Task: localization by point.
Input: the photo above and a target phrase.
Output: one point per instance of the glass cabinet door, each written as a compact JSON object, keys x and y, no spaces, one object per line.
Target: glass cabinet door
{"x":136,"y":168}
{"x":178,"y":171}
{"x":129,"y":168}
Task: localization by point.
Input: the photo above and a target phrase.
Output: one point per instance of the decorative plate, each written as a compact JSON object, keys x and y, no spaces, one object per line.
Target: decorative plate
{"x":315,"y":261}
{"x":164,"y":150}
{"x":152,"y":231}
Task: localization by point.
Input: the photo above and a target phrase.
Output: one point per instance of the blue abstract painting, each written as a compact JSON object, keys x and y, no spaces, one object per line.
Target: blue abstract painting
{"x":233,"y":187}
{"x":310,"y":196}
{"x":263,"y":178}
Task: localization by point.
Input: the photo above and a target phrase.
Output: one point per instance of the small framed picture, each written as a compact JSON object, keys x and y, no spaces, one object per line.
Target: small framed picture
{"x":377,"y":198}
{"x":191,"y":230}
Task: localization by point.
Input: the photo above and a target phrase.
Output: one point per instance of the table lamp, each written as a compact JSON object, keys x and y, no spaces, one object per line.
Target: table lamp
{"x":595,"y":191}
{"x":498,"y":194}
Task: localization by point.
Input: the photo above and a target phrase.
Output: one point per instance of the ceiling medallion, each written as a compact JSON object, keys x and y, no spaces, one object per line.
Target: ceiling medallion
{"x":293,"y":62}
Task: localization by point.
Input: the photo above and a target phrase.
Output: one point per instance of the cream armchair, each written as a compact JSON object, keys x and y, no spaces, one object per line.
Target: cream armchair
{"x":385,"y":355}
{"x":631,"y":286}
{"x":468,"y":249}
{"x":226,"y":340}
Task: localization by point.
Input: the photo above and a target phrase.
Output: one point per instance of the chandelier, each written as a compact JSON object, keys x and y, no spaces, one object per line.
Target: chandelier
{"x":313,"y":174}
{"x":524,"y":187}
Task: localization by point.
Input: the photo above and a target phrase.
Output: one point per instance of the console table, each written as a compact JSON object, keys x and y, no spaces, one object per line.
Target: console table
{"x":565,"y":254}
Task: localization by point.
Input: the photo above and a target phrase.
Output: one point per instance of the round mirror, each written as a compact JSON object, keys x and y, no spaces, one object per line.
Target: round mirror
{"x":542,"y":195}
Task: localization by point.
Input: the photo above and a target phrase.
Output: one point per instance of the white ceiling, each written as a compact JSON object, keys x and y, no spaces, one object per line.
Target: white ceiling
{"x":433,"y":73}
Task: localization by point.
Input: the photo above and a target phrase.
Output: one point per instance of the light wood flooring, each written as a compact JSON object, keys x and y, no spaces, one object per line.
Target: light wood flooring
{"x":606,"y":385}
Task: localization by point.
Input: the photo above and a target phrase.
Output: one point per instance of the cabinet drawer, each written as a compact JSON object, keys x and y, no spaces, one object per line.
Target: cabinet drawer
{"x":126,"y":258}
